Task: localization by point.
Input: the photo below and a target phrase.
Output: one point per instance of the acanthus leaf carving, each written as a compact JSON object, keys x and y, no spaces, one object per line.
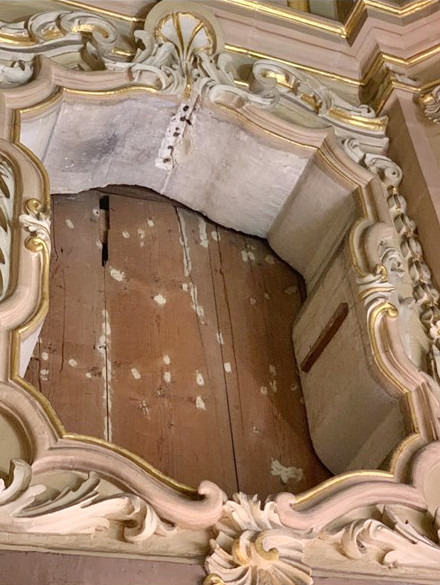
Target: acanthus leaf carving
{"x":252,"y":547}
{"x":80,"y":509}
{"x":400,"y":543}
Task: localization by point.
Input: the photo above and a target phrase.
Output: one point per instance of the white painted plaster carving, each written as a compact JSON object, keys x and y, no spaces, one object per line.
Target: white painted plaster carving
{"x":75,"y":510}
{"x":252,"y":547}
{"x":399,"y":541}
{"x":179,"y":53}
{"x":36,"y":222}
{"x":403,"y":261}
{"x":257,"y":544}
{"x":430,"y":103}
{"x":273,"y":80}
{"x":52,"y":34}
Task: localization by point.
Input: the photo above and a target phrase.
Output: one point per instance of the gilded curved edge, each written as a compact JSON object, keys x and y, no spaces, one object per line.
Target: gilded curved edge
{"x":251,"y":123}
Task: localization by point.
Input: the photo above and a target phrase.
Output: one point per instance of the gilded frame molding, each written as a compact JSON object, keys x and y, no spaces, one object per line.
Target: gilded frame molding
{"x":116,"y":487}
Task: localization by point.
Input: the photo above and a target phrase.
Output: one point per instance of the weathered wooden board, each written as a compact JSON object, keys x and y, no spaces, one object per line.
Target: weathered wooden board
{"x":168,"y":400}
{"x":179,"y":348}
{"x":70,"y":358}
{"x":272,"y":445}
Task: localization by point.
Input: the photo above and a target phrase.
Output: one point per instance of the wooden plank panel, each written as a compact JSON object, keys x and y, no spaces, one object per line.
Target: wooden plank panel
{"x":272,"y":445}
{"x":69,"y":358}
{"x":168,"y":398}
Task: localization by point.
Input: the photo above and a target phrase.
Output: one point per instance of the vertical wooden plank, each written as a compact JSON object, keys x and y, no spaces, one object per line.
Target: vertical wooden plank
{"x":167,"y":396}
{"x":180,"y":350}
{"x":69,"y":358}
{"x":261,"y":297}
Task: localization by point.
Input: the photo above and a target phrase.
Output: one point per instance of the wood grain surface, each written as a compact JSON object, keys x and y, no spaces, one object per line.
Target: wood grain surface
{"x":175,"y":343}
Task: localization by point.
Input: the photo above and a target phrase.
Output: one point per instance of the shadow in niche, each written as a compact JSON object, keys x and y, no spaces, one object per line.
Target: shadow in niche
{"x":171,"y":336}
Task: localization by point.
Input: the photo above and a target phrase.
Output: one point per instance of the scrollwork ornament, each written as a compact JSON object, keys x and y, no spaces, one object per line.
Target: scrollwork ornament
{"x":253,"y":547}
{"x":424,"y":297}
{"x":400,"y":543}
{"x":35,"y":220}
{"x":52,"y":33}
{"x":81,"y":509}
{"x":430,"y":103}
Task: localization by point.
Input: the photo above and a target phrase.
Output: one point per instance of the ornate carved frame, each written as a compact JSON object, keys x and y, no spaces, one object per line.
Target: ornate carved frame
{"x":80,"y":494}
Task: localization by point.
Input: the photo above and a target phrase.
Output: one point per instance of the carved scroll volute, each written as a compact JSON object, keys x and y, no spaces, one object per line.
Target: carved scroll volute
{"x":430,"y":103}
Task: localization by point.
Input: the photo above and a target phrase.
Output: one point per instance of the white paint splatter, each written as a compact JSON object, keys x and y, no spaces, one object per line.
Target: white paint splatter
{"x":88,"y":375}
{"x":143,"y":405}
{"x":246,"y":256}
{"x":227,"y":367}
{"x":270,"y":259}
{"x":185,"y":286}
{"x":135,"y":373}
{"x":45,"y":356}
{"x":263,"y":390}
{"x":267,"y":296}
{"x":44,"y":375}
{"x":72,"y":363}
{"x":99,"y":244}
{"x":160,"y":300}
{"x":203,"y":236}
{"x":126,"y":235}
{"x":104,"y":345}
{"x":286,"y":473}
{"x":199,"y":379}
{"x":141,"y":233}
{"x":118,"y":275}
{"x":150,"y":222}
{"x":184,"y":243}
{"x":219,"y":336}
{"x":291,"y":290}
{"x":195,"y":301}
{"x":69,"y":224}
{"x":166,"y":360}
{"x":215,"y":236}
{"x":200,"y":403}
{"x":167,"y":377}
{"x":272,"y":370}
{"x":252,"y":301}
{"x":273,"y":385}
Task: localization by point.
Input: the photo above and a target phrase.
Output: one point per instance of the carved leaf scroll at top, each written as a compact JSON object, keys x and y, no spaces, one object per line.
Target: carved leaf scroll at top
{"x":181,"y":54}
{"x":52,"y":34}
